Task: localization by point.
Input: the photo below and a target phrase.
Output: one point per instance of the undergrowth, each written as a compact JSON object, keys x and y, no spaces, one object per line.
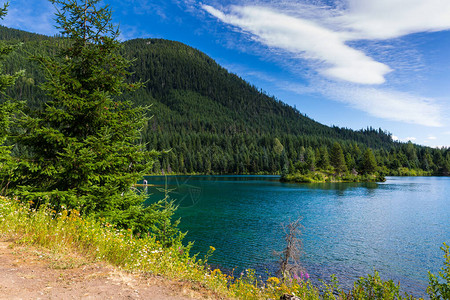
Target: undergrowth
{"x":96,"y":240}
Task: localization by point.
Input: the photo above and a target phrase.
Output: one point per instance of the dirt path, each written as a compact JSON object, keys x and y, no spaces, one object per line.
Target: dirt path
{"x":30,"y":273}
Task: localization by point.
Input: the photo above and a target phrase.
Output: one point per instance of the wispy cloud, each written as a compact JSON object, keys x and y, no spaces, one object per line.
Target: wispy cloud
{"x":131,"y":32}
{"x":408,"y":139}
{"x":322,"y":33}
{"x":146,"y":7}
{"x":329,"y":39}
{"x":31,"y":16}
{"x":378,"y":102}
{"x":305,"y":39}
{"x":389,"y":104}
{"x":386,"y":19}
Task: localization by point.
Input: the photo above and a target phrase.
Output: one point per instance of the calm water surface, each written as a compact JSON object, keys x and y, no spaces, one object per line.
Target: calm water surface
{"x":396,"y":227}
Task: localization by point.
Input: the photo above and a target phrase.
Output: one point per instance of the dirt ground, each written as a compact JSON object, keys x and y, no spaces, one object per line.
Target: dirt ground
{"x":32,"y":273}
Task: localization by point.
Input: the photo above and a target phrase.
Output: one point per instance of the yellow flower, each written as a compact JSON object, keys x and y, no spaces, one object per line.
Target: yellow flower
{"x":273,"y":280}
{"x":212,"y":248}
{"x":215,"y":272}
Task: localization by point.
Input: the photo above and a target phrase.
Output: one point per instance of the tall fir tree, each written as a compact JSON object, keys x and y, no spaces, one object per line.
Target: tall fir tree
{"x":324,"y":159}
{"x":83,"y":145}
{"x":337,"y":159}
{"x":8,"y":108}
{"x":368,"y":162}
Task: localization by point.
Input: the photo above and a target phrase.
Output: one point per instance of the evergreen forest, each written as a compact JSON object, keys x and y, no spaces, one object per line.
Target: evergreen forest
{"x":206,"y":120}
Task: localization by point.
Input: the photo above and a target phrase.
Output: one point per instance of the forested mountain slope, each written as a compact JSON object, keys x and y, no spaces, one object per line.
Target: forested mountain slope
{"x":212,"y":121}
{"x":187,"y":82}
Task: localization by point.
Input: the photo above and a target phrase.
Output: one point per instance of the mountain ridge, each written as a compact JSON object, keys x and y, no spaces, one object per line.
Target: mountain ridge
{"x":213,"y":121}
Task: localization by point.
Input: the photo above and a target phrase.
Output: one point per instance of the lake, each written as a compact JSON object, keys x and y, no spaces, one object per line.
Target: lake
{"x":350,"y":229}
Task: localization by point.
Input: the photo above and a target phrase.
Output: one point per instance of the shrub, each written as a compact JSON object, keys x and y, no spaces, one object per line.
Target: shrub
{"x":439,"y":286}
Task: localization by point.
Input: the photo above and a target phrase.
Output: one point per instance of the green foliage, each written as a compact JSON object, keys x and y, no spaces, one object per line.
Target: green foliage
{"x":324,"y":159}
{"x":297,"y":177}
{"x":368,"y":163}
{"x":7,"y":164}
{"x":439,"y":286}
{"x":373,"y":287}
{"x":214,"y":122}
{"x":320,"y":176}
{"x":82,"y":147}
{"x":337,"y":159}
{"x":8,"y":108}
{"x":277,"y":147}
{"x":310,"y":159}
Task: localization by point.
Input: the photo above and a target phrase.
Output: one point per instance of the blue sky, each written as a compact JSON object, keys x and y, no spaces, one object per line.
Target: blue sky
{"x":350,"y":63}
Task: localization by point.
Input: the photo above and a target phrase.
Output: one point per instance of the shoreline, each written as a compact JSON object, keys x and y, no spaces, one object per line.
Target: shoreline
{"x":325,"y":177}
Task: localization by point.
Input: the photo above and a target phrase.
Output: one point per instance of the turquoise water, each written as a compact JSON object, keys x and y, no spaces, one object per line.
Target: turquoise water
{"x":350,"y":229}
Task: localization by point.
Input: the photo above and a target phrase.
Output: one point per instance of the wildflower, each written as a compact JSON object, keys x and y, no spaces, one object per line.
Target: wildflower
{"x":215,"y":272}
{"x":212,"y":248}
{"x":273,"y":280}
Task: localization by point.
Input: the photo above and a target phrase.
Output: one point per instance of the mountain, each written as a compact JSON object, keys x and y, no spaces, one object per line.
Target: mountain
{"x":212,"y":121}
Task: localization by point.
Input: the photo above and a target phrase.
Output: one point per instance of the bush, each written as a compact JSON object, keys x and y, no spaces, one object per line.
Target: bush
{"x":373,"y":287}
{"x":439,"y":286}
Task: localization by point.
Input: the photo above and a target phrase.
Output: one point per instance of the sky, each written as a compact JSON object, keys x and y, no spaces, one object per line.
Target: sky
{"x":348,"y":63}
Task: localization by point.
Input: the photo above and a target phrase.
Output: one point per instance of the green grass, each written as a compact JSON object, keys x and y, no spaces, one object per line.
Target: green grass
{"x":95,"y":240}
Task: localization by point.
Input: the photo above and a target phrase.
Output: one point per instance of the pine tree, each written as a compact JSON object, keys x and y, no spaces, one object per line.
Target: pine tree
{"x":277,"y":146}
{"x":324,"y":160}
{"x":83,"y":144}
{"x":310,"y":159}
{"x":368,"y":163}
{"x":7,"y":109}
{"x":337,"y":159}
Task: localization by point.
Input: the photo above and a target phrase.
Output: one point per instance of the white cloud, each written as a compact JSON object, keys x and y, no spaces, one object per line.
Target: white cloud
{"x":128,"y":32}
{"x":31,"y":16}
{"x":385,"y":19}
{"x":306,"y":39}
{"x":324,"y":36}
{"x":321,"y":33}
{"x":431,"y":138}
{"x":378,"y":102}
{"x":405,"y":140}
{"x":388,"y":104}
